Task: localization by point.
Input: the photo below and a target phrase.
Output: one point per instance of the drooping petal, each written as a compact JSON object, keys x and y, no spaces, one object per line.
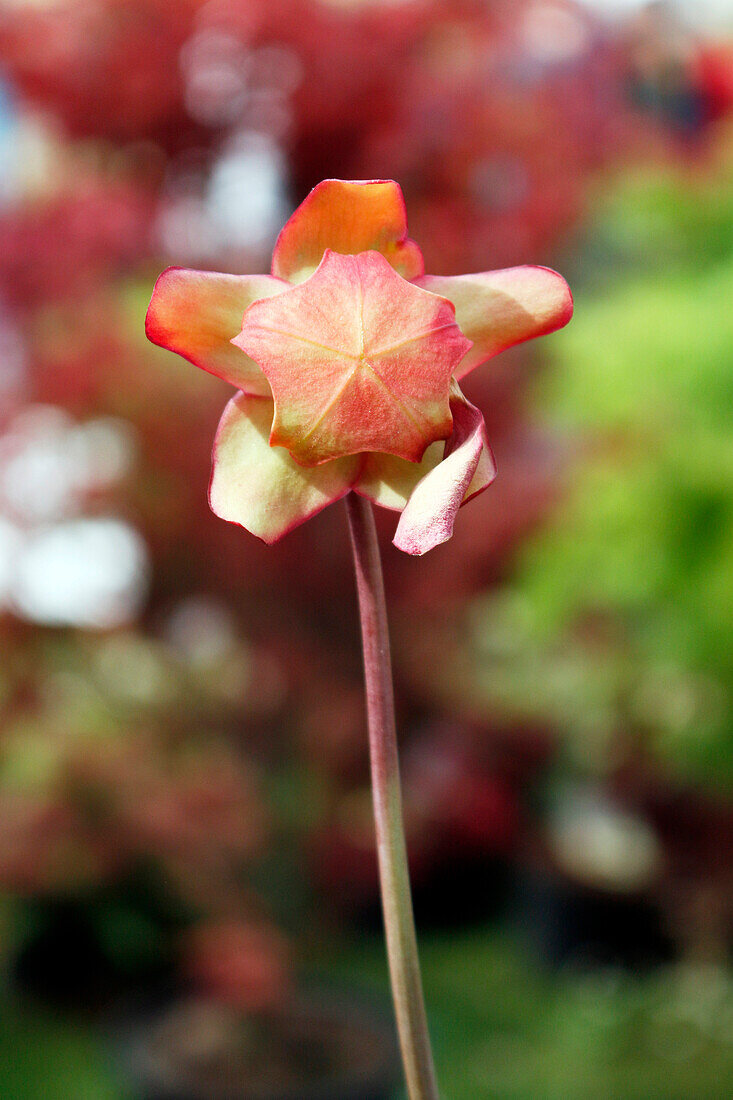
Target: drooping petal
{"x":196,"y":314}
{"x":358,"y":360}
{"x":347,"y":216}
{"x":261,"y":487}
{"x":468,"y":467}
{"x":497,"y":309}
{"x":389,"y":481}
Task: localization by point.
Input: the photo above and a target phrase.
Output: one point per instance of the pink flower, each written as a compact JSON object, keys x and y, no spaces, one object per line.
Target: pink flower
{"x":347,"y":358}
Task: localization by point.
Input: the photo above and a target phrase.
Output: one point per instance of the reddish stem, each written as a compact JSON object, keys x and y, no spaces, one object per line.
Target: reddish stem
{"x":394,"y":878}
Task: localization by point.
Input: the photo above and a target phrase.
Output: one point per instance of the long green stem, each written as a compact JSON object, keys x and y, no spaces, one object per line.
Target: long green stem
{"x":394,"y":878}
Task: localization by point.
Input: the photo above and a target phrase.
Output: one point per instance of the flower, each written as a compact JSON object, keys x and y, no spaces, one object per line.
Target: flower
{"x":347,"y":360}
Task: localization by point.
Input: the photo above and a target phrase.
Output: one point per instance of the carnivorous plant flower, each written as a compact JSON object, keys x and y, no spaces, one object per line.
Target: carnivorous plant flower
{"x":347,"y":360}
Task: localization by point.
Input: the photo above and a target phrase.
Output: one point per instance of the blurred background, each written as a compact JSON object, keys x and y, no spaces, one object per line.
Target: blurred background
{"x":188,"y":893}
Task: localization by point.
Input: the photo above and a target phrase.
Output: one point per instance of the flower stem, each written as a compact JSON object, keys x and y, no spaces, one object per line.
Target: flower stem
{"x":394,"y":877}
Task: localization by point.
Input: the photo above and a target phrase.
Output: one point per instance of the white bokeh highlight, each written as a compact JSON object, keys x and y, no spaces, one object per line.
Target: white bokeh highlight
{"x":85,"y":573}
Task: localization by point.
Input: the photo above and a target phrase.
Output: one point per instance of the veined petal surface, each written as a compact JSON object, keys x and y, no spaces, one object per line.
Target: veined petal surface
{"x":358,"y":359}
{"x":261,"y":487}
{"x":497,"y":309}
{"x":468,"y":467}
{"x":347,"y":216}
{"x":196,"y":314}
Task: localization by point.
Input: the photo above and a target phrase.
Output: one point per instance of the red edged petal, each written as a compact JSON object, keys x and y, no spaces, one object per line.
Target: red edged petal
{"x":196,"y":314}
{"x":467,"y":469}
{"x":497,"y":309}
{"x":358,"y":359}
{"x":261,"y":487}
{"x":347,"y":216}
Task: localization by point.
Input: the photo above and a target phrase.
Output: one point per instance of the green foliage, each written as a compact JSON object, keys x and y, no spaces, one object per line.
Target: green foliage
{"x":652,"y":220}
{"x":620,"y":612}
{"x":45,"y":1058}
{"x":505,"y":1029}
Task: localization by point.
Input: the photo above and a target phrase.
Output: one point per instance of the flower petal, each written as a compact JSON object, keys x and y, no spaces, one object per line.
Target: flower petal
{"x":347,"y":216}
{"x":468,"y":467}
{"x":496,"y":309}
{"x":196,"y":314}
{"x":261,"y":487}
{"x":389,"y":481}
{"x":358,"y":360}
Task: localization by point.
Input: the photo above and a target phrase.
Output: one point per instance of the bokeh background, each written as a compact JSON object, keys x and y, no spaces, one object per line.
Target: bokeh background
{"x":188,"y":888}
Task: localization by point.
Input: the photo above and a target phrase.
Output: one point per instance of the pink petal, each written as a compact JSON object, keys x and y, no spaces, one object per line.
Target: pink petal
{"x":260,"y":487}
{"x":196,"y":314}
{"x":347,"y":216}
{"x":358,"y":359}
{"x":497,"y":309}
{"x":468,"y":467}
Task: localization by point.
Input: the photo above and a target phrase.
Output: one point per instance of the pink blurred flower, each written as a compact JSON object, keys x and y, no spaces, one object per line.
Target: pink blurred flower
{"x":347,"y":358}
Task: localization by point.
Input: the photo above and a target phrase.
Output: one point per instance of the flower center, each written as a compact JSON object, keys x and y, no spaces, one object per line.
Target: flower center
{"x":358,"y":360}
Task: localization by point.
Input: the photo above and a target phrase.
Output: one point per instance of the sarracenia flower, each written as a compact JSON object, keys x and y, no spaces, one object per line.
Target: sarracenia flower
{"x":347,"y":360}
